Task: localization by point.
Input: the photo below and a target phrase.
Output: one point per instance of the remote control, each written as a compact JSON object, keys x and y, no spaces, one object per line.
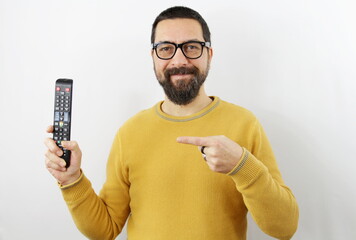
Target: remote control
{"x":62,"y":115}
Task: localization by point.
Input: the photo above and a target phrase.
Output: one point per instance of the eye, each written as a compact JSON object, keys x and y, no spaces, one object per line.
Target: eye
{"x":192,"y":47}
{"x":165,"y":48}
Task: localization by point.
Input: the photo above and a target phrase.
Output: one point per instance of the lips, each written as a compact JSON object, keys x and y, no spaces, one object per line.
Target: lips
{"x":182,"y":75}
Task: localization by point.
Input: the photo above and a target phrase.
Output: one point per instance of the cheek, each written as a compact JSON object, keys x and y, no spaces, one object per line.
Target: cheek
{"x":158,"y":69}
{"x":160,"y":65}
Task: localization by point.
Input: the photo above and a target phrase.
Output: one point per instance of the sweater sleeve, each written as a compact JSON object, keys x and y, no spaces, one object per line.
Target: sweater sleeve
{"x":270,"y":202}
{"x":100,"y":216}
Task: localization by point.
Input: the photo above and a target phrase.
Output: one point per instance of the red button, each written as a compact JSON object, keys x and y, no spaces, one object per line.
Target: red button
{"x":58,"y":89}
{"x":67,"y":89}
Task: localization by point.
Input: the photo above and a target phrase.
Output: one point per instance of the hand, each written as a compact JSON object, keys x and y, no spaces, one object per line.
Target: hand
{"x":56,"y":165}
{"x":222,"y":154}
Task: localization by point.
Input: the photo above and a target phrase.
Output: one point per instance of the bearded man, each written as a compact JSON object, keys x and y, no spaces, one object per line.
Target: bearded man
{"x":191,"y":167}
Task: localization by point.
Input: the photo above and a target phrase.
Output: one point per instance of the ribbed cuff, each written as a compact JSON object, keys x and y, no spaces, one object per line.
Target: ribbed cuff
{"x":248,"y":169}
{"x":75,"y":191}
{"x":241,"y":163}
{"x":73,"y":183}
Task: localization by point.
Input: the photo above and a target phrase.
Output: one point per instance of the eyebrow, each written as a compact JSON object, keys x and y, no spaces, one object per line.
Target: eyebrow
{"x":189,"y":40}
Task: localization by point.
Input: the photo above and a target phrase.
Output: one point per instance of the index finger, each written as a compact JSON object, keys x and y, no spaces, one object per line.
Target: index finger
{"x":197,"y":141}
{"x":52,"y":146}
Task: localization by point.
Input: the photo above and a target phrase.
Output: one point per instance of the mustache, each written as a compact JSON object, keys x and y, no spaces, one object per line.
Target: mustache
{"x":180,"y":70}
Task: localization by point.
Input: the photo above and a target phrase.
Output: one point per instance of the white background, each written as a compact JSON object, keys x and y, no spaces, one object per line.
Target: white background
{"x":290,"y":62}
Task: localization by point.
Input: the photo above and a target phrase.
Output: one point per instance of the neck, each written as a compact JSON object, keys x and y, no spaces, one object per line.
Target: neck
{"x":200,"y":102}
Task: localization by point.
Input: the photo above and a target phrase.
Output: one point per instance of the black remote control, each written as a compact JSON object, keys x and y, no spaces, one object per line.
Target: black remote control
{"x":62,"y":115}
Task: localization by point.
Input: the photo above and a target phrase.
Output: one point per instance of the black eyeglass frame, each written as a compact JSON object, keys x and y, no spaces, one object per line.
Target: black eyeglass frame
{"x":180,"y":45}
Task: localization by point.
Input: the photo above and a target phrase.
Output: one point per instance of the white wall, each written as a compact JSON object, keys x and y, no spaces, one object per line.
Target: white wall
{"x":291,"y":62}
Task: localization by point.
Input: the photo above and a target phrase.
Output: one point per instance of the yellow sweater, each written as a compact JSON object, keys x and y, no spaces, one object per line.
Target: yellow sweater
{"x":167,"y":191}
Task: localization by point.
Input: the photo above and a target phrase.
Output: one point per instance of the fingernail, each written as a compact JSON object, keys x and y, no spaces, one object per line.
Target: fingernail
{"x":59,"y":152}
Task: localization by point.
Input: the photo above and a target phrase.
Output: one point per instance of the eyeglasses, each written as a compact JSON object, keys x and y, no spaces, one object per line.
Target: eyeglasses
{"x":191,"y":49}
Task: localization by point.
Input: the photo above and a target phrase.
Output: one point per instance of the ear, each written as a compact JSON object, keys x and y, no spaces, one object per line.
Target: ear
{"x":210,"y":53}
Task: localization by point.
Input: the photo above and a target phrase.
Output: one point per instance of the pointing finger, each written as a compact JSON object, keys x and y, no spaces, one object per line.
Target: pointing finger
{"x":197,"y":141}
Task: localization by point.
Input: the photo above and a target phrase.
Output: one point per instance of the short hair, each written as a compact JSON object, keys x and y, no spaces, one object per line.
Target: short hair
{"x":181,"y":12}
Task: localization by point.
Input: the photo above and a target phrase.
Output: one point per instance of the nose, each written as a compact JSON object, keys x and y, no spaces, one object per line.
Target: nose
{"x":179,"y":59}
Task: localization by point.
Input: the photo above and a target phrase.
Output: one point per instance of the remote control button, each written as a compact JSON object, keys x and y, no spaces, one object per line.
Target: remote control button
{"x":58,"y":89}
{"x":56,"y":116}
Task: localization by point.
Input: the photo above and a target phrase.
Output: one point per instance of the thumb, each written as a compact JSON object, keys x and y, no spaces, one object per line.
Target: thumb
{"x":72,"y":146}
{"x":76,"y":155}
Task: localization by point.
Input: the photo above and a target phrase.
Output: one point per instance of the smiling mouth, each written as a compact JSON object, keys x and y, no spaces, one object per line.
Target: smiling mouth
{"x":181,"y":75}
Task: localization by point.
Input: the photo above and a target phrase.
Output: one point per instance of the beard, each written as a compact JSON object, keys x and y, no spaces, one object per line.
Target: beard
{"x":184,"y":91}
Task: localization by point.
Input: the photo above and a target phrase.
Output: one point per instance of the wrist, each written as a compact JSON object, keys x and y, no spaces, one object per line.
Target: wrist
{"x":240,"y":163}
{"x":71,"y":178}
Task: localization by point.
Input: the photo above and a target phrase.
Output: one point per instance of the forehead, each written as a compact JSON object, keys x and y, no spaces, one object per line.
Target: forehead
{"x":179,"y":30}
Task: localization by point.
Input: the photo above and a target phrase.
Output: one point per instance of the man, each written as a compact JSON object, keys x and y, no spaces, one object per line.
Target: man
{"x":159,"y":180}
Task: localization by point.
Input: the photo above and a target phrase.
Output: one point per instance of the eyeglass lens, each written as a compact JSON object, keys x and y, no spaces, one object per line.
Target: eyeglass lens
{"x":190,"y":50}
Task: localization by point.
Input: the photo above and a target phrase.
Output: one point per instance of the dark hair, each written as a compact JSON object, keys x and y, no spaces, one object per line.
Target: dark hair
{"x":181,"y":12}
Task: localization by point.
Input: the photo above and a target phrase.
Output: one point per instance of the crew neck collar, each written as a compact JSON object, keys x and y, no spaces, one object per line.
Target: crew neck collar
{"x":191,"y":117}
